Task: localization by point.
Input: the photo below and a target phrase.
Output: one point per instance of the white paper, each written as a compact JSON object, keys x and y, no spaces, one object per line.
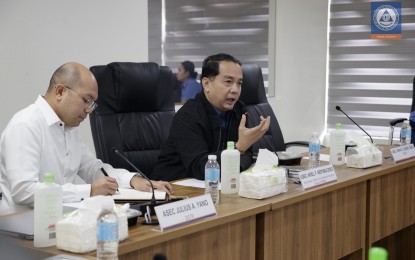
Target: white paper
{"x":77,"y":205}
{"x":323,"y":157}
{"x":133,"y":194}
{"x":192,"y":183}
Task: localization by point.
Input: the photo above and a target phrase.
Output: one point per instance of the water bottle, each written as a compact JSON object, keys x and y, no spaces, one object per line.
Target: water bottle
{"x":406,"y":133}
{"x":378,"y":253}
{"x":314,"y":151}
{"x":107,"y":232}
{"x":47,"y":211}
{"x":230,"y":169}
{"x":212,"y":176}
{"x":337,"y":146}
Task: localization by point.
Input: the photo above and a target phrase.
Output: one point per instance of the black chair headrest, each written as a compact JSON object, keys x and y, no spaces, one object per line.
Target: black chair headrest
{"x":253,"y":90}
{"x":130,"y":87}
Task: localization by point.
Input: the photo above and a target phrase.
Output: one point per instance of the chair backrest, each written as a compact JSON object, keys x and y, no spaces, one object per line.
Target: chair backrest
{"x":254,"y":96}
{"x":134,"y":113}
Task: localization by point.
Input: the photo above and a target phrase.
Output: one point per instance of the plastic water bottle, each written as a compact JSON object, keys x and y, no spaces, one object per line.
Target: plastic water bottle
{"x":47,"y":211}
{"x":230,"y":169}
{"x":107,"y":232}
{"x":314,"y":151}
{"x":337,"y":146}
{"x":406,"y":132}
{"x":378,"y":253}
{"x":212,"y":176}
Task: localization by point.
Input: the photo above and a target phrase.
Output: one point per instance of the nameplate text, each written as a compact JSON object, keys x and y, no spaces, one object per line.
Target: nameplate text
{"x":317,"y":176}
{"x":185,"y":211}
{"x":403,"y":153}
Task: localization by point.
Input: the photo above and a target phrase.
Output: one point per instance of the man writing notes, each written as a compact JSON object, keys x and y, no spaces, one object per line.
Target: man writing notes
{"x":44,"y":137}
{"x":204,"y":124}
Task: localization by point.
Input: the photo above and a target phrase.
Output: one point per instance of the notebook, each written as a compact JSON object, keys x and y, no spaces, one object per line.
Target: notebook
{"x":126,"y":194}
{"x":21,"y":225}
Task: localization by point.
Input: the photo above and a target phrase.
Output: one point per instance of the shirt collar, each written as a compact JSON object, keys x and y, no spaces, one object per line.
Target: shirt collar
{"x":50,"y":116}
{"x":223,"y":116}
{"x":220,"y":113}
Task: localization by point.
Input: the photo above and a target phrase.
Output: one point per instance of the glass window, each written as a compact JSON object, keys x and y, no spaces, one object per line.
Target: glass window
{"x":369,"y":79}
{"x":182,"y":30}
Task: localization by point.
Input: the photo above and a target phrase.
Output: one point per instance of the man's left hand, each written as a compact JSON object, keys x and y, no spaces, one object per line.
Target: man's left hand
{"x":142,"y":184}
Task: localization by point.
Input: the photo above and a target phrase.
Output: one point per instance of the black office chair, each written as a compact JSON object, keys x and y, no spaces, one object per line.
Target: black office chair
{"x":254,"y":96}
{"x":134,"y":113}
{"x":396,"y":121}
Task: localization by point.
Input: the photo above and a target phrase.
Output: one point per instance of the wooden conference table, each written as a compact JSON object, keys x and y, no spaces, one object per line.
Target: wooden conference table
{"x":341,"y":220}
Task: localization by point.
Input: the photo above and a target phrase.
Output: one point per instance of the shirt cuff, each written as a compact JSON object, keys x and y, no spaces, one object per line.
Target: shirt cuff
{"x":83,"y":191}
{"x":125,"y":179}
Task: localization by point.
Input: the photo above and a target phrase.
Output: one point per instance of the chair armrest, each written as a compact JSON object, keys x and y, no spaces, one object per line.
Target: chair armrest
{"x":395,"y":121}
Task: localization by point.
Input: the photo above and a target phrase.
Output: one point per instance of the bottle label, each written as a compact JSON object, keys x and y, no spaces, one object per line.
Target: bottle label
{"x":52,"y":231}
{"x":212,"y":174}
{"x":339,"y":157}
{"x":314,"y":148}
{"x":233,"y":183}
{"x":107,"y":231}
{"x":405,"y":133}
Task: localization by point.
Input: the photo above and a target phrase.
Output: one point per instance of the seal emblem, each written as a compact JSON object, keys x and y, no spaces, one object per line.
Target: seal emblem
{"x":386,"y":17}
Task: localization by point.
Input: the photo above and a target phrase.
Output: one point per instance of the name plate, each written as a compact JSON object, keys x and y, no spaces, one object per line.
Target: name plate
{"x":317,"y":176}
{"x":185,"y":211}
{"x":403,"y":153}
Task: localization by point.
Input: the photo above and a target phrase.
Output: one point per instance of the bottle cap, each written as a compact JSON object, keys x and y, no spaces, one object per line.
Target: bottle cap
{"x":314,"y":134}
{"x":230,"y":145}
{"x":48,"y":178}
{"x":338,"y":126}
{"x":378,"y":253}
{"x":212,"y":157}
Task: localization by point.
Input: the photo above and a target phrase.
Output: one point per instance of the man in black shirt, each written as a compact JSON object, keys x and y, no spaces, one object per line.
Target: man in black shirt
{"x":204,"y":125}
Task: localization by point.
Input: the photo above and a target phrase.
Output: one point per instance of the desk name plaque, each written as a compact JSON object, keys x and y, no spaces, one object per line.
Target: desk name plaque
{"x":178,"y":213}
{"x":403,"y":153}
{"x":318,"y":176}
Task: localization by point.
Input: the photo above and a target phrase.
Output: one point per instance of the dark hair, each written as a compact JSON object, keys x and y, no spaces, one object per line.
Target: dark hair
{"x":190,"y":67}
{"x":210,"y":67}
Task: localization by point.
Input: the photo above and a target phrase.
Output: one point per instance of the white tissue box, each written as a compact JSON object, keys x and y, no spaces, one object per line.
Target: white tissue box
{"x":364,"y":157}
{"x":76,"y":231}
{"x":263,"y":184}
{"x":357,"y":161}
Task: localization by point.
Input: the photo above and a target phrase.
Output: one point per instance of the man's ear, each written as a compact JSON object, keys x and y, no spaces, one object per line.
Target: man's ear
{"x":59,"y":90}
{"x":205,"y":83}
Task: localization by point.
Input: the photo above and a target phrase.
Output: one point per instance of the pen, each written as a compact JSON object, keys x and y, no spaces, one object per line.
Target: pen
{"x":105,"y":173}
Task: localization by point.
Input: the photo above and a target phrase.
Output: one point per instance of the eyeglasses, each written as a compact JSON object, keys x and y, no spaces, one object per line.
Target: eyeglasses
{"x":89,"y":104}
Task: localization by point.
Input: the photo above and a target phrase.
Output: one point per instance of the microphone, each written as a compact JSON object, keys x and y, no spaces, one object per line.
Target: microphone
{"x":153,"y":201}
{"x":338,"y":108}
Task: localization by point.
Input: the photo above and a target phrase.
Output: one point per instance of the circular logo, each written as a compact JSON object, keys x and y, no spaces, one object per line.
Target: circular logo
{"x":386,"y":17}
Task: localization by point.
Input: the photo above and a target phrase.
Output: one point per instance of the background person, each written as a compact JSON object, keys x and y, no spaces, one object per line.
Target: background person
{"x":44,"y":137}
{"x":190,"y":88}
{"x":203,"y":125}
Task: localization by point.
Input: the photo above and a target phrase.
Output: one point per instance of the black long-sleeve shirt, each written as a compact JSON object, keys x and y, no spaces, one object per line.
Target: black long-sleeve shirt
{"x":194,"y":134}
